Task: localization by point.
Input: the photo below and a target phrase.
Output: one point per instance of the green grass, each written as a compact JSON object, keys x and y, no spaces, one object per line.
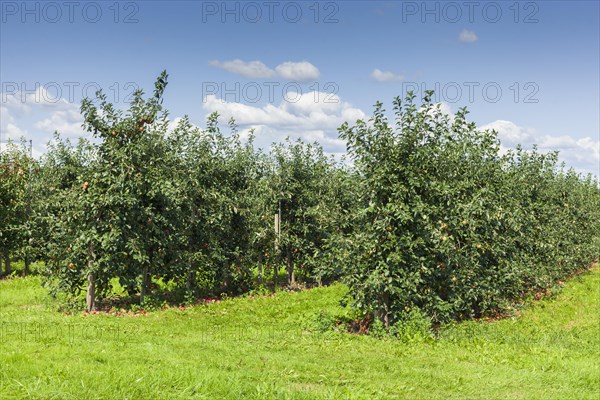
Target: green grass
{"x":256,"y":348}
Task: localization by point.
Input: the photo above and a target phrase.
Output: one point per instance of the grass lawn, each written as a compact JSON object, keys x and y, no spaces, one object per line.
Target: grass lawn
{"x":256,"y":348}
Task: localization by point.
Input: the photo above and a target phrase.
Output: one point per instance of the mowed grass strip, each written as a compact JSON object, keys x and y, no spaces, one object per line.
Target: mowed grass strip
{"x":258,"y":348}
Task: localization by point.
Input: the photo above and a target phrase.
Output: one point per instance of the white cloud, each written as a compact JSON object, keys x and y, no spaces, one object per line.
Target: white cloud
{"x":302,"y":71}
{"x":300,"y":104}
{"x":5,"y":116}
{"x":315,"y":116}
{"x":22,"y":103}
{"x":16,"y":102}
{"x":510,"y":134}
{"x":68,"y":122}
{"x":13,"y":133}
{"x":467,"y":36}
{"x":385,"y":76}
{"x":36,"y":116}
{"x":311,"y":110}
{"x":581,"y":153}
{"x":298,"y":71}
{"x":8,"y":128}
{"x":249,"y":69}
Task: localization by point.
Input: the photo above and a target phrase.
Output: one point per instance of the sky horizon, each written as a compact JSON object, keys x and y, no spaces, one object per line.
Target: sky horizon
{"x":528,"y":69}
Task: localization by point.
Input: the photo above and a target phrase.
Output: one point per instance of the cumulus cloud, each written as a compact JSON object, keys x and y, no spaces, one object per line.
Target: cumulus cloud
{"x":11,"y":132}
{"x":22,"y":103}
{"x":249,"y":69}
{"x":298,"y":71}
{"x":467,"y":36}
{"x":385,"y":76}
{"x":68,"y":122}
{"x":581,"y":153}
{"x":5,"y":116}
{"x":313,"y":116}
{"x":8,"y":128}
{"x":302,"y":71}
{"x":510,"y":134}
{"x":36,"y":115}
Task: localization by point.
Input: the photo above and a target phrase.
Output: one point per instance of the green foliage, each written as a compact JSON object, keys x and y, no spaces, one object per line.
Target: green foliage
{"x":305,"y":184}
{"x":16,"y":168}
{"x":428,"y":216}
{"x":450,"y":226}
{"x":115,"y":214}
{"x":192,"y":207}
{"x":414,"y":327}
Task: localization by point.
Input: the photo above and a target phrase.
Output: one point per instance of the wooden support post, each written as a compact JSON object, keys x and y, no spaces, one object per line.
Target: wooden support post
{"x":90,"y":297}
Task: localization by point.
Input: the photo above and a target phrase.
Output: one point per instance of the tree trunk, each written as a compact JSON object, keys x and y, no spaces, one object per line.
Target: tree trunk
{"x":27,"y":263}
{"x":384,"y":312}
{"x":90,"y":298}
{"x":1,"y":257}
{"x":7,"y":267}
{"x":290,"y":267}
{"x":146,"y":275}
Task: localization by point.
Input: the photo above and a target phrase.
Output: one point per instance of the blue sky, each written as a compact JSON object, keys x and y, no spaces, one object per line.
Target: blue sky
{"x":528,"y":69}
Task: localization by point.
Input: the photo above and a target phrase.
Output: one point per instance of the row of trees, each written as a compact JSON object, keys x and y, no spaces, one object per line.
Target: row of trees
{"x":192,"y":207}
{"x":452,"y":227}
{"x":16,"y":166}
{"x":429,"y":215}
